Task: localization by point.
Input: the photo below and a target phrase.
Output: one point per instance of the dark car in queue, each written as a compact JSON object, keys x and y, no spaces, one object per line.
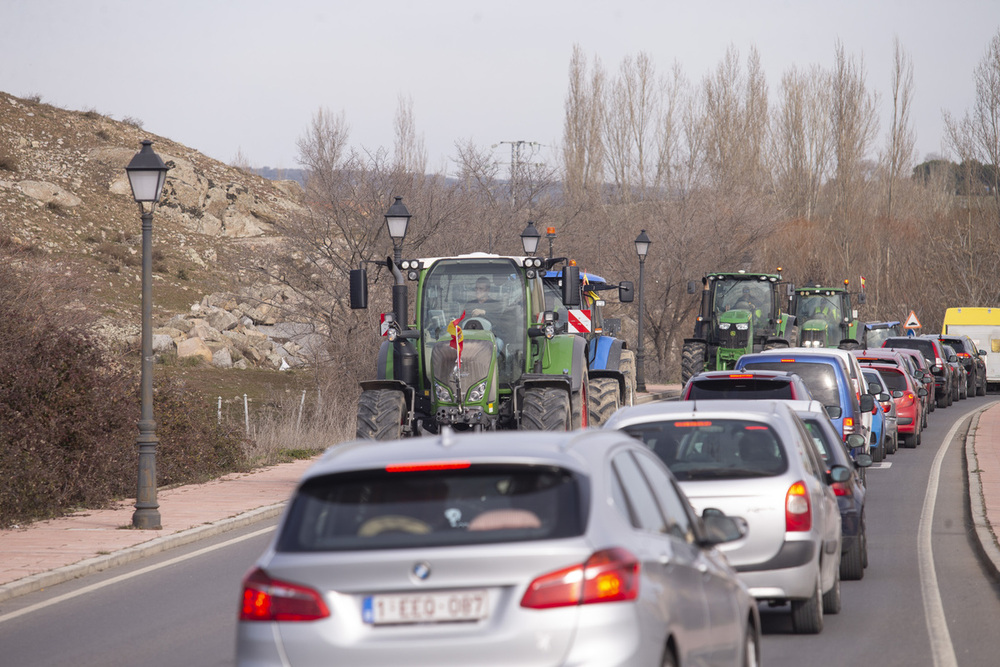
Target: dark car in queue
{"x":972,"y":358}
{"x":504,"y":548}
{"x":850,"y":493}
{"x":933,"y":353}
{"x":747,"y":385}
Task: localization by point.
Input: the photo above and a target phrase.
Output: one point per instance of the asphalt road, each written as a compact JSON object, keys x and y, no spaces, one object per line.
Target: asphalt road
{"x":180,"y":607}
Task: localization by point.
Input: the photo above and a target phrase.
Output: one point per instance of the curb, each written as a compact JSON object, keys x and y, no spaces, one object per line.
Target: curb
{"x":37,"y":582}
{"x":984,"y":531}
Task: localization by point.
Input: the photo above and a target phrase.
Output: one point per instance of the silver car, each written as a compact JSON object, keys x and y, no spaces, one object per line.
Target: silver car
{"x":756,"y":460}
{"x":496,"y":548}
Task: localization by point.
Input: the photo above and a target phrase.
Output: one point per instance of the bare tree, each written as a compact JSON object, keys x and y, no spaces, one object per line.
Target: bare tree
{"x":583,"y":146}
{"x":902,"y":139}
{"x":629,"y":127}
{"x":410,"y":153}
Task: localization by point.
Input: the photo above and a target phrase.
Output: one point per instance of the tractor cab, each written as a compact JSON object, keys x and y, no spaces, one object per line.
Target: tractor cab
{"x":826,"y":309}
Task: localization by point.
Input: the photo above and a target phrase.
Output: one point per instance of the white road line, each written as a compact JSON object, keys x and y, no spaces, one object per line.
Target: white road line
{"x":942,"y":650}
{"x":123,"y":577}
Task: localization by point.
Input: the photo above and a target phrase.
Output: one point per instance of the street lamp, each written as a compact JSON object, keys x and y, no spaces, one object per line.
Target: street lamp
{"x":396,"y":219}
{"x":530,"y":238}
{"x":641,"y":248}
{"x":146,"y":174}
{"x":550,"y":234}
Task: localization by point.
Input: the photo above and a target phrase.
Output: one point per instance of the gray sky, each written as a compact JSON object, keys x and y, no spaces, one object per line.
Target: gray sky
{"x":227,"y":76}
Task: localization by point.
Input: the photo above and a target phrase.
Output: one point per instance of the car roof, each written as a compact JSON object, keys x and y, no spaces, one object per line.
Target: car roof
{"x":763,"y":374}
{"x":754,"y":410}
{"x":573,"y":449}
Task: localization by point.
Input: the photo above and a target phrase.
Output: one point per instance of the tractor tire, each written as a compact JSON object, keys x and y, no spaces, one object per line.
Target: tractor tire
{"x":692,"y":360}
{"x":626,"y":365}
{"x":581,"y":403}
{"x":545,"y":409}
{"x":381,"y":413}
{"x":604,"y":398}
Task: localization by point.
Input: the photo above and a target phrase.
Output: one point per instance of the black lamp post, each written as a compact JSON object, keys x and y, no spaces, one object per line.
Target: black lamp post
{"x":146,"y":174}
{"x":550,"y":234}
{"x":641,"y":248}
{"x":396,"y":219}
{"x":530,"y":238}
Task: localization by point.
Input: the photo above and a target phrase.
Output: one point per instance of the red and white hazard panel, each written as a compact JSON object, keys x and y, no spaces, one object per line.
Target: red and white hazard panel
{"x":578,"y":321}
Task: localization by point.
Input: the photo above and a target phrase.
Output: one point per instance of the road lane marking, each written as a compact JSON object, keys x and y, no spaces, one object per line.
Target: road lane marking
{"x":942,"y":650}
{"x":123,"y":577}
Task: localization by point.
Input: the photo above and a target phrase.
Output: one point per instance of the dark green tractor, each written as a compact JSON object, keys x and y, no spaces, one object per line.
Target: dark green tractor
{"x":826,"y":316}
{"x":482,"y":352}
{"x":740,"y":313}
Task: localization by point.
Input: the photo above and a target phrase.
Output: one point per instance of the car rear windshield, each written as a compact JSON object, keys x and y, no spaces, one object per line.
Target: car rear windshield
{"x":893,"y":379}
{"x":701,"y":449}
{"x":956,"y":343}
{"x":741,"y":388}
{"x":925,"y":347}
{"x":819,"y":377}
{"x":474,"y":504}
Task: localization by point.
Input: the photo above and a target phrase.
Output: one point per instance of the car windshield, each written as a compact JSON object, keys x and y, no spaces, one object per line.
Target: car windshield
{"x":380,"y":509}
{"x":741,"y":388}
{"x":704,"y":449}
{"x":819,"y":377}
{"x":490,"y":293}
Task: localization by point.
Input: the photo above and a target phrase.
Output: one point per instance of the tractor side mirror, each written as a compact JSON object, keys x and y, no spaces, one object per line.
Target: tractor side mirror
{"x":862,"y":297}
{"x":626,"y":292}
{"x":359,"y":288}
{"x":692,"y":287}
{"x":571,"y":286}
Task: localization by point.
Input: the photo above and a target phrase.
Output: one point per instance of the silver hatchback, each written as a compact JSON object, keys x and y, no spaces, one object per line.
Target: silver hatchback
{"x":756,"y":460}
{"x":499,"y":548}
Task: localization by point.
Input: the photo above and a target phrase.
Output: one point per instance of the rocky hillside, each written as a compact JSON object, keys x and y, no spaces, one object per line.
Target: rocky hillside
{"x":64,"y":196}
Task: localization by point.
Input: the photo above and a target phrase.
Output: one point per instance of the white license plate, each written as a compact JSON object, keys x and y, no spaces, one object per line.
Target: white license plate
{"x":425,"y":607}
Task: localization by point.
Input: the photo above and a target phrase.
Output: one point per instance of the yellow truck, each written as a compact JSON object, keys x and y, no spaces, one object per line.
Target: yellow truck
{"x":982,"y":325}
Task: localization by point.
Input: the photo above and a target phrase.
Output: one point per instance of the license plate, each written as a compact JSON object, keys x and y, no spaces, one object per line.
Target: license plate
{"x":425,"y":608}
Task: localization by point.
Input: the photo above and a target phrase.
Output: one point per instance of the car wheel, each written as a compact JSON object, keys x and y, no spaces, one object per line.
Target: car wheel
{"x":918,"y":438}
{"x":910,"y":440}
{"x":807,"y":615}
{"x":831,"y":599}
{"x":981,"y":388}
{"x":864,"y":541}
{"x":751,"y":642}
{"x":852,"y":563}
{"x":895,"y":444}
{"x":878,"y":451}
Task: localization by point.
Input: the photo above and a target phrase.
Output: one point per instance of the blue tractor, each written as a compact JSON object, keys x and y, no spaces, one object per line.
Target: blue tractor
{"x":611,"y":365}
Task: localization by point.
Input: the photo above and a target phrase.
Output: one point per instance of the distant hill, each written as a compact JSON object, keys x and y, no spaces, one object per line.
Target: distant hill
{"x":297,"y":175}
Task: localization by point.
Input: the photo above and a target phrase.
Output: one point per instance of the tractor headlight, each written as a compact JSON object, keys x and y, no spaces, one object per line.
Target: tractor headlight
{"x":442,"y":392}
{"x":478,"y":392}
{"x":742,"y":326}
{"x":724,"y":326}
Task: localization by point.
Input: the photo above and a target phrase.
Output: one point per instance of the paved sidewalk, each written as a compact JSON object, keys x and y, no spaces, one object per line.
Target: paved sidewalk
{"x":46,"y":553}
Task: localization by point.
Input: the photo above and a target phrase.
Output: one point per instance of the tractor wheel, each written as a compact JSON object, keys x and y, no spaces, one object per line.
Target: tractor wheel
{"x":545,"y":409}
{"x":604,"y":398}
{"x":381,"y":413}
{"x":692,"y":360}
{"x":626,"y":365}
{"x":581,"y":403}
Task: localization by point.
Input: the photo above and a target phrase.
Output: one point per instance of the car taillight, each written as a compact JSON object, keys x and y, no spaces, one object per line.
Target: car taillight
{"x":907,"y":399}
{"x":609,"y":575}
{"x":886,"y":406}
{"x":798,"y":510}
{"x":848,"y":425}
{"x":268,"y":599}
{"x":841,"y":489}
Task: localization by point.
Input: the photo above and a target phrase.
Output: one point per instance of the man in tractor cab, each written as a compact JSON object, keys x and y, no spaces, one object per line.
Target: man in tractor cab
{"x":482,"y":304}
{"x":747,"y":302}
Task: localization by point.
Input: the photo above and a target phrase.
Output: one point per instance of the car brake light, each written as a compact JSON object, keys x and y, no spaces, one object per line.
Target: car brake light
{"x":740,"y":376}
{"x":690,"y":424}
{"x":429,"y":465}
{"x":267,"y":599}
{"x":848,"y":424}
{"x":885,"y":407}
{"x":964,"y":355}
{"x":609,"y":575}
{"x":798,"y":510}
{"x":841,"y":489}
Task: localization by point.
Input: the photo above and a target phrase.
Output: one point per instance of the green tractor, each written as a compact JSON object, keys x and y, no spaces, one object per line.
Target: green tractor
{"x":482,"y":353}
{"x":826,"y":316}
{"x":740,"y":313}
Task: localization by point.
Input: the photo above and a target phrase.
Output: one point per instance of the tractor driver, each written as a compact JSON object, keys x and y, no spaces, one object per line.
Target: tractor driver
{"x":482,"y":304}
{"x":747,"y":302}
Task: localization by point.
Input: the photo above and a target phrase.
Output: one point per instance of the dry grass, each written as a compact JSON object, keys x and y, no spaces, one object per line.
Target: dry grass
{"x":289,"y":432}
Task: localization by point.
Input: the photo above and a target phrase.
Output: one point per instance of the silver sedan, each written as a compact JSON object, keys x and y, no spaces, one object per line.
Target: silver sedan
{"x":501,"y":549}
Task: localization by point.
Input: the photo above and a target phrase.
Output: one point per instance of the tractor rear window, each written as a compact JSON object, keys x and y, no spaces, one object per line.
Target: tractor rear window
{"x":379,"y":509}
{"x":741,"y":388}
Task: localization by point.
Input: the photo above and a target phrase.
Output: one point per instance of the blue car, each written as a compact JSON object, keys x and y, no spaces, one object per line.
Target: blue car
{"x":828,"y":382}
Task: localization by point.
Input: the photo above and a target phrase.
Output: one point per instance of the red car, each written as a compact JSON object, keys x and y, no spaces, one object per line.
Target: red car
{"x":749,"y":385}
{"x":907,"y":397}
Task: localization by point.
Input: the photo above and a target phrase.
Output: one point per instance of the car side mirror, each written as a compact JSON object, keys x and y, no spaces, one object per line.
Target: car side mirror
{"x":897,"y":393}
{"x":720,"y":528}
{"x":855,"y":440}
{"x":840,"y":474}
{"x":835,"y":411}
{"x":867,"y":403}
{"x":922,"y":392}
{"x":863,"y":460}
{"x":883,"y":397}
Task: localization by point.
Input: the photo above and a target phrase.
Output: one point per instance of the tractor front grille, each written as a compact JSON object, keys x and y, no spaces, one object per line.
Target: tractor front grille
{"x":733,"y":338}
